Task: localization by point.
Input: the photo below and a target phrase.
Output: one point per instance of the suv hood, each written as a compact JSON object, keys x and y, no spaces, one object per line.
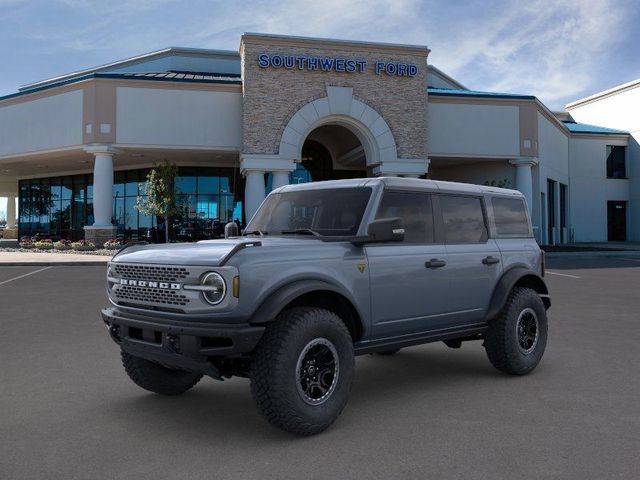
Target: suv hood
{"x":206,"y":253}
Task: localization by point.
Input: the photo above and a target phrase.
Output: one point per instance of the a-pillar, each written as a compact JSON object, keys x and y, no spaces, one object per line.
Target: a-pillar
{"x":524,"y":178}
{"x":102,"y":228}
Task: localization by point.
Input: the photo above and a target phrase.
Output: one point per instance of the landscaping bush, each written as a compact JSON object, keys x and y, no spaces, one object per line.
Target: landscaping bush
{"x":83,"y":245}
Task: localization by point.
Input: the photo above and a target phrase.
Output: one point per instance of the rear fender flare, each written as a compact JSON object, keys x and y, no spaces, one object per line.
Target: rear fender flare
{"x":509,"y":280}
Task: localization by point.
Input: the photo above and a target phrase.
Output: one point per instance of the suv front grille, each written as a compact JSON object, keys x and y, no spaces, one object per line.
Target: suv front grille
{"x":160,"y":298}
{"x":133,"y":294}
{"x":146,"y":272}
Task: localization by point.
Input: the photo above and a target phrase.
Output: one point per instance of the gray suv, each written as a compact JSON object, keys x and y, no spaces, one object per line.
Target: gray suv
{"x":324,"y":272}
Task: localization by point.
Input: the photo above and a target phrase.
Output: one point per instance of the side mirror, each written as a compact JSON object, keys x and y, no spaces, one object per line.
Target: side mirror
{"x":385,"y":230}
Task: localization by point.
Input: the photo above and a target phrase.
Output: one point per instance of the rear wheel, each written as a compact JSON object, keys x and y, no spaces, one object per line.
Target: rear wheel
{"x":156,"y":378}
{"x":302,"y":370}
{"x":517,"y":338}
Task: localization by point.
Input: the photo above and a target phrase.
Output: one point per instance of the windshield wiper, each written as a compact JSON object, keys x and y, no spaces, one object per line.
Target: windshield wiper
{"x":256,"y":232}
{"x":302,"y":231}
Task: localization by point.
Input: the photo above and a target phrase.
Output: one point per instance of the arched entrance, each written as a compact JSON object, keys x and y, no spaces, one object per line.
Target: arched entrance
{"x":331,"y":152}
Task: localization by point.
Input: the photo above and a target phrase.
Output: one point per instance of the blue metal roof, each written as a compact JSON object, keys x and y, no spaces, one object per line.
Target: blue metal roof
{"x":450,"y":92}
{"x":592,"y":129}
{"x":158,"y":77}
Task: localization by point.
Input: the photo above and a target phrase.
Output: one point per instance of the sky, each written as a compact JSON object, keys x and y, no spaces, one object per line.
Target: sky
{"x":558,"y":50}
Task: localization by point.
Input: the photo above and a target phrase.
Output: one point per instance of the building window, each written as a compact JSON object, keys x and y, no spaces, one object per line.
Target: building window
{"x":616,"y":161}
{"x":60,"y":207}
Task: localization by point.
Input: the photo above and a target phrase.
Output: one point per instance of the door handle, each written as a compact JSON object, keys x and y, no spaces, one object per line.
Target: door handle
{"x":435,"y":263}
{"x":490,"y":260}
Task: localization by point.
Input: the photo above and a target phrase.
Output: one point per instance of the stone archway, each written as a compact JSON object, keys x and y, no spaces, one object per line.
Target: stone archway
{"x":340,"y":108}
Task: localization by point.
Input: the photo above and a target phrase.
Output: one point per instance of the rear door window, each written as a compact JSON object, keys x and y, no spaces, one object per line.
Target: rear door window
{"x":415,"y":211}
{"x":510,"y":217}
{"x":463,"y":219}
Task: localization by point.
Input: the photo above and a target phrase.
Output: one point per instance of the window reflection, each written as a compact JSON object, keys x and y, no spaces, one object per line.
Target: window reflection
{"x":60,"y":207}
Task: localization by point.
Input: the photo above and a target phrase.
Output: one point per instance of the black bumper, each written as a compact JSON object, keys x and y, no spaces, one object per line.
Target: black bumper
{"x":185,"y":345}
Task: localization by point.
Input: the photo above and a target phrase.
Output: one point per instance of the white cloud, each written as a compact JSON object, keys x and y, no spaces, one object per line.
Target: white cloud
{"x":546,"y":48}
{"x":542,"y":47}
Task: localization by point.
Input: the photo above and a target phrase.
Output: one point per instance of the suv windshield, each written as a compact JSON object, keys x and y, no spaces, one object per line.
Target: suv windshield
{"x":324,"y":212}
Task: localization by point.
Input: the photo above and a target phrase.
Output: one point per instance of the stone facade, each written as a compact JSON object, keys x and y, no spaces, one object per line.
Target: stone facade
{"x":272,"y":96}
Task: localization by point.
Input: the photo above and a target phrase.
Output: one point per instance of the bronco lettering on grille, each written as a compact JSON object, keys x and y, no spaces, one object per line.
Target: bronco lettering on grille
{"x":150,"y":284}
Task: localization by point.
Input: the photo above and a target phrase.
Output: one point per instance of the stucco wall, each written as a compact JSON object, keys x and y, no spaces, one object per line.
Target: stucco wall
{"x":553,"y":158}
{"x":272,"y":96}
{"x":620,"y":111}
{"x":470,"y":129}
{"x":590,"y":189}
{"x":42,"y":124}
{"x":154,"y":116}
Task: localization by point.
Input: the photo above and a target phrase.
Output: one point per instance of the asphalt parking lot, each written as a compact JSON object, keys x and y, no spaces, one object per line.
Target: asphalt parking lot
{"x":68,"y":411}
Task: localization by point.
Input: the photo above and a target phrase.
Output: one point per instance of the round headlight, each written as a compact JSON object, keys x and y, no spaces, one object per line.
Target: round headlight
{"x":215,"y":288}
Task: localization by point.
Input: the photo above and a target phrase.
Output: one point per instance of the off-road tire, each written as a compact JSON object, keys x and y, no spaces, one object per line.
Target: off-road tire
{"x":156,"y":378}
{"x":502,"y":341}
{"x":274,"y":370}
{"x":389,"y":352}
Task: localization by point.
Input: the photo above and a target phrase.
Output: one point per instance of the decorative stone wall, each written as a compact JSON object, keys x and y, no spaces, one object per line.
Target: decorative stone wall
{"x":272,"y":95}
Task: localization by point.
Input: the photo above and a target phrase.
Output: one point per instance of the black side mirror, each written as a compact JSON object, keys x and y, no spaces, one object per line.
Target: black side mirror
{"x":385,"y":230}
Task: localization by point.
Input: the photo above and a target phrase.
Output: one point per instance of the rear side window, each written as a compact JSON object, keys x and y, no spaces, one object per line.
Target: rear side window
{"x":510,"y":216}
{"x":415,"y":211}
{"x":463,"y":219}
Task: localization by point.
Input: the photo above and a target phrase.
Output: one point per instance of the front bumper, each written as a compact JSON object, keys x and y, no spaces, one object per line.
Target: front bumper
{"x":184,"y":345}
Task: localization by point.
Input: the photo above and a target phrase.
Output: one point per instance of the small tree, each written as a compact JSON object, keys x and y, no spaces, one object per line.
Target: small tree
{"x":160,"y":191}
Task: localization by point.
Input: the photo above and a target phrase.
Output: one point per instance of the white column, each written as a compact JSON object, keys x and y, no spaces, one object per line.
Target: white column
{"x":102,"y":229}
{"x":11,"y":211}
{"x":524,"y":178}
{"x":254,"y":192}
{"x":103,"y":189}
{"x":280,"y":179}
{"x":253,"y":167}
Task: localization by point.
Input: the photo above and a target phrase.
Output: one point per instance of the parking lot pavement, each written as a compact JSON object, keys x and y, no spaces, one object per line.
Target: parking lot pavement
{"x":69,"y":412}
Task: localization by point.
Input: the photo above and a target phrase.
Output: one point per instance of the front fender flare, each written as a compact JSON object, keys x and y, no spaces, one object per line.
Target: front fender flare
{"x":280,"y":298}
{"x":506,"y":283}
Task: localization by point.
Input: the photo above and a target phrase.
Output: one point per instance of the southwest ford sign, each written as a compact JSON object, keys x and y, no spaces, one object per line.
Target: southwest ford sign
{"x":331,"y":64}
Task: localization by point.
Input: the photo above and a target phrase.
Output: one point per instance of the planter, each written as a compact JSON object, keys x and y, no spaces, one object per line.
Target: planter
{"x":44,"y":247}
{"x":84,"y":249}
{"x":112,"y":247}
{"x":62,"y":247}
{"x":27,"y":246}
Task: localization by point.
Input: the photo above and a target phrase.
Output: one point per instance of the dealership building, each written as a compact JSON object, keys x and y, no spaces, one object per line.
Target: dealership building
{"x":75,"y":149}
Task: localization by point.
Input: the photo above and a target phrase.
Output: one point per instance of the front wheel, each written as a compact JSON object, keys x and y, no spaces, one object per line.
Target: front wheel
{"x":516,"y":339}
{"x":302,"y":370}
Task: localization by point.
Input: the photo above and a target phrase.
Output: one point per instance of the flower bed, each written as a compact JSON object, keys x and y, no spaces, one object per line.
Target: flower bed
{"x":113,"y":244}
{"x":43,"y":244}
{"x":83,"y":246}
{"x":62,"y":245}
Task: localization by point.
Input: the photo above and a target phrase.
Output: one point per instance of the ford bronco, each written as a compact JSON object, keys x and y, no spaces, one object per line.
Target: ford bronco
{"x":324,"y":272}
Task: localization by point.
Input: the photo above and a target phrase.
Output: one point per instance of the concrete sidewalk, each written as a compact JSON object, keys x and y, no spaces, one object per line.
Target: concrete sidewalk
{"x":37,"y":259}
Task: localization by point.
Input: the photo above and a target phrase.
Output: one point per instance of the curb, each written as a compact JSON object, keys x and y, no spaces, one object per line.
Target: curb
{"x":599,"y":253}
{"x":89,"y":263}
